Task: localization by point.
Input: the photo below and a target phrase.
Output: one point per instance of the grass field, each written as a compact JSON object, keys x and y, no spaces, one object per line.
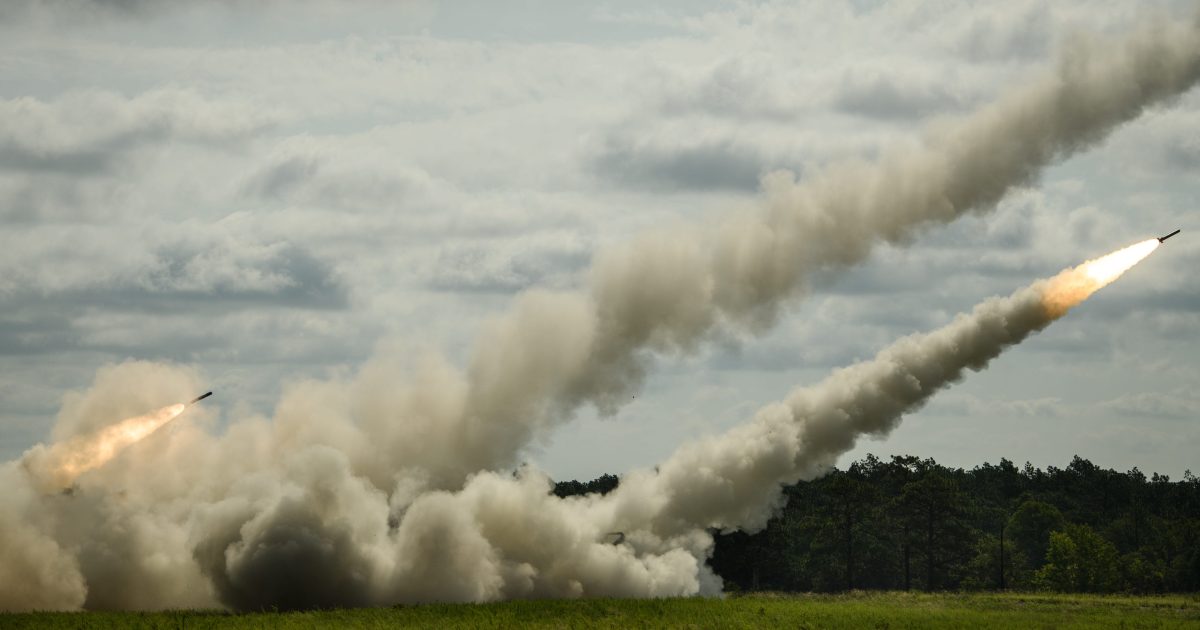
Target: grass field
{"x":855,"y":610}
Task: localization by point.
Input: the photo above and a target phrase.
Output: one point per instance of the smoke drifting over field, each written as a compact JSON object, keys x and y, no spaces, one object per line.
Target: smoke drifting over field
{"x":393,"y":487}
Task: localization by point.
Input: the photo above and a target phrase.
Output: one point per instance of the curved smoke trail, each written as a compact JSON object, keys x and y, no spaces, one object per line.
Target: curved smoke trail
{"x":552,"y":352}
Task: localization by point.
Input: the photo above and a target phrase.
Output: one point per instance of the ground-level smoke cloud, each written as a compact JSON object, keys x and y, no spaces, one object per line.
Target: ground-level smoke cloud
{"x":396,"y":485}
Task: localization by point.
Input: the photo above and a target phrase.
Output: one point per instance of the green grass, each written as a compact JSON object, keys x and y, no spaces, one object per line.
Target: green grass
{"x":854,"y":610}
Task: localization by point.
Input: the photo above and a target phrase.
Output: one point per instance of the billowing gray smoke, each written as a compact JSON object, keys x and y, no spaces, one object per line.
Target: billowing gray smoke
{"x":391,"y":487}
{"x":668,"y":291}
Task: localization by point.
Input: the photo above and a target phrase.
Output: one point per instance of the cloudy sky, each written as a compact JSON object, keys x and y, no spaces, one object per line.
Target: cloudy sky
{"x":273,"y":193}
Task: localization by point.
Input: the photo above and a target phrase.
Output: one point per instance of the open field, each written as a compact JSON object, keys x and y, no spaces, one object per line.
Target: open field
{"x":855,"y":610}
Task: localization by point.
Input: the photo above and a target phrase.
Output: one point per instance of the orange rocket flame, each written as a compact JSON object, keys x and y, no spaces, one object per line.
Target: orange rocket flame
{"x":63,"y":462}
{"x":1073,"y":286}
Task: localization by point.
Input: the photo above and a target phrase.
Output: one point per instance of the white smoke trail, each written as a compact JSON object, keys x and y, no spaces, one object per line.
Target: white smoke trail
{"x":553,"y":352}
{"x":383,"y":489}
{"x":734,"y":481}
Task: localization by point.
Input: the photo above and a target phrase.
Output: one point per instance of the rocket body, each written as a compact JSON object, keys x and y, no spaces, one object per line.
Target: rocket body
{"x":199,"y":398}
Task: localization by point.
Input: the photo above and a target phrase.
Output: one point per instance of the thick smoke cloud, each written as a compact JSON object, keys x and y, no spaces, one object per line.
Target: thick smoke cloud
{"x":36,"y":572}
{"x":389,"y":486}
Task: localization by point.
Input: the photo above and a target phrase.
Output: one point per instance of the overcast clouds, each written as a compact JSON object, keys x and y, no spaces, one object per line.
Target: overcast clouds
{"x":268,"y":193}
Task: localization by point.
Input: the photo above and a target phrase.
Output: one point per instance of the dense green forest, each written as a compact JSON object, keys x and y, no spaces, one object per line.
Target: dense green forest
{"x":911,"y":523}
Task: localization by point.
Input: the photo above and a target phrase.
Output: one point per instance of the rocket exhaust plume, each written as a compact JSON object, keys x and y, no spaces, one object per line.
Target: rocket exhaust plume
{"x":1074,"y":286}
{"x":58,"y":466}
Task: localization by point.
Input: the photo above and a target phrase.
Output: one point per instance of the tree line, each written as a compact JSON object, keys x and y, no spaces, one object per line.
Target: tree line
{"x":911,"y":523}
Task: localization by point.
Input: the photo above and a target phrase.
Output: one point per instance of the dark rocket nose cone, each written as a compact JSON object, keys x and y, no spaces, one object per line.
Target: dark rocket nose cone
{"x":1163,"y":239}
{"x":201,"y":397}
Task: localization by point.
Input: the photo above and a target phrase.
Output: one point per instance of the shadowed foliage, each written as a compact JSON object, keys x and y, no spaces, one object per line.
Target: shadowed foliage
{"x":911,"y":523}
